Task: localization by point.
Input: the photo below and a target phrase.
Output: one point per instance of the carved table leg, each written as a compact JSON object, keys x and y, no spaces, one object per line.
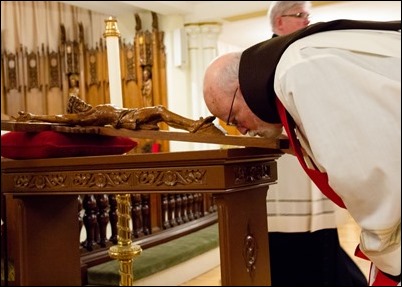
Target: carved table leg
{"x":45,"y":241}
{"x":243,"y":238}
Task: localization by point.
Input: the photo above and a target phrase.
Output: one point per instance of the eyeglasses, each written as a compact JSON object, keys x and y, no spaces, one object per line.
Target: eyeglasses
{"x":228,"y":122}
{"x":301,"y":15}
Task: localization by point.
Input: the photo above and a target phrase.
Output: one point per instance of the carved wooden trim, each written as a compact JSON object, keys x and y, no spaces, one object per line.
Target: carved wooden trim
{"x":129,"y":56}
{"x":103,"y":180}
{"x":71,"y":57}
{"x":92,"y":67}
{"x":171,"y":177}
{"x":250,"y":251}
{"x":10,"y":69}
{"x":32,"y":60}
{"x":252,"y":173}
{"x":54,"y":69}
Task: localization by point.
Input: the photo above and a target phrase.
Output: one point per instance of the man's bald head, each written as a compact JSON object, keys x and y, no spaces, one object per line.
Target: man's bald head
{"x":220,"y":82}
{"x":224,"y":98}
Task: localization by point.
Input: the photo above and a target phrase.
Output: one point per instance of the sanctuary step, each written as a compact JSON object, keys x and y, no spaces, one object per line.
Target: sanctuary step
{"x":158,"y":258}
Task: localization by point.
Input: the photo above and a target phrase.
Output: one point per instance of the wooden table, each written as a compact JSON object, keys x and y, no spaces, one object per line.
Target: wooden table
{"x":46,"y":243}
{"x":45,"y":225}
{"x":235,"y":140}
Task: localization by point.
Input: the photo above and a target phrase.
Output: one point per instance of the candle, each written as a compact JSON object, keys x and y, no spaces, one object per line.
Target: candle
{"x":112,"y":36}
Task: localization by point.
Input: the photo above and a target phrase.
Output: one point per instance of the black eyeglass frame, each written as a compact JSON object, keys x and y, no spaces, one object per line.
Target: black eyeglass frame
{"x":228,"y":123}
{"x":300,"y":15}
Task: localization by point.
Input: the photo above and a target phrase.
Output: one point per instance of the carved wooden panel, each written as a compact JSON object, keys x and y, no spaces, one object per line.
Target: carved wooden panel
{"x":54,"y":70}
{"x":38,"y":81}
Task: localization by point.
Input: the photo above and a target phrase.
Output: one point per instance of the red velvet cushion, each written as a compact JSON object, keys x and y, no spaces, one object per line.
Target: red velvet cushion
{"x":46,"y":144}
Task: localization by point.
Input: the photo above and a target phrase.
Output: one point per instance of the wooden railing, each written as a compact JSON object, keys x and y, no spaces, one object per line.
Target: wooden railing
{"x":155,"y":218}
{"x":164,"y":211}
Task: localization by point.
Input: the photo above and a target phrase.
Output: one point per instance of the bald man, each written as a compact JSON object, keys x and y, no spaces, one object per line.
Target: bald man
{"x":338,"y":84}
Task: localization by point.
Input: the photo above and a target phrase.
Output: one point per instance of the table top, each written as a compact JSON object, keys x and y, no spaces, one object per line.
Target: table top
{"x":240,"y":140}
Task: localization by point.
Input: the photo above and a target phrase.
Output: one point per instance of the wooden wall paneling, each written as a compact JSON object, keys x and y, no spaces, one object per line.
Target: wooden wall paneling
{"x":72,"y":64}
{"x":105,"y":74}
{"x":15,"y":102}
{"x":54,"y":69}
{"x":93,"y":76}
{"x":11,"y":73}
{"x":123,"y":71}
{"x":131,"y":94}
{"x":97,"y":83}
{"x":142,"y":60}
{"x":53,"y":84}
{"x":81,"y":53}
{"x":14,"y":92}
{"x":159,"y":73}
{"x":64,"y":92}
{"x":156,"y":65}
{"x":162,"y":71}
{"x":91,"y":69}
{"x":145,"y":64}
{"x":42,"y":78}
{"x":138,"y":67}
{"x":8,"y":79}
{"x":63,"y":66}
{"x":143,"y":57}
{"x":138,"y":47}
{"x":71,"y":57}
{"x":2,"y":85}
{"x":35,"y":99}
{"x":38,"y":82}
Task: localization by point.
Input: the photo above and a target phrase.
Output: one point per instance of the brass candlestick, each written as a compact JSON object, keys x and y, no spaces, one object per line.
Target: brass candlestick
{"x":125,"y":250}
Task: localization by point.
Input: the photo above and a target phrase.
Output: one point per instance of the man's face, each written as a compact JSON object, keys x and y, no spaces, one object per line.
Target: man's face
{"x":245,"y":120}
{"x":294,"y":19}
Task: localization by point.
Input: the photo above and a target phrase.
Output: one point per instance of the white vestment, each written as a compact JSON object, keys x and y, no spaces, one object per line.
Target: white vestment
{"x":343,"y":89}
{"x":295,"y":204}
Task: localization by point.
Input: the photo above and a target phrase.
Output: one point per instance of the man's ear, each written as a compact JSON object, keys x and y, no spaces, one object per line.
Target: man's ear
{"x":278,"y":23}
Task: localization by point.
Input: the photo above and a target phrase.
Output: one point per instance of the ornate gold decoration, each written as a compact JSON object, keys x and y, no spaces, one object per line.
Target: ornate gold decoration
{"x":32,"y":65}
{"x":111,"y":28}
{"x":10,"y":68}
{"x":125,"y":251}
{"x":54,"y":70}
{"x":77,"y":55}
{"x":129,"y":54}
{"x":145,"y":46}
{"x":71,"y":57}
{"x":93,"y":63}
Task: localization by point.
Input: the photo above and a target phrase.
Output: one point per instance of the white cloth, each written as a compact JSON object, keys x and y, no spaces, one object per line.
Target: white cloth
{"x":295,"y":204}
{"x":343,"y":88}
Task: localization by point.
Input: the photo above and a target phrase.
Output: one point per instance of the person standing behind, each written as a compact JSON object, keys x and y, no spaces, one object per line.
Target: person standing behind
{"x":287,"y":17}
{"x":303,"y":236}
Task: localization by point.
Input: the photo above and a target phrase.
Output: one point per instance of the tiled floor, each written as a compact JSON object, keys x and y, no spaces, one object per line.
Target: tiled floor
{"x":348,"y":236}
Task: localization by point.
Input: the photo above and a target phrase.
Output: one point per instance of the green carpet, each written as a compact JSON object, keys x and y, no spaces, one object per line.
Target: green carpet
{"x":158,"y":258}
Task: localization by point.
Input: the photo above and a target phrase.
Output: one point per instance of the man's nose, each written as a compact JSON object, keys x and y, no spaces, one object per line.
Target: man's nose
{"x":242,"y":130}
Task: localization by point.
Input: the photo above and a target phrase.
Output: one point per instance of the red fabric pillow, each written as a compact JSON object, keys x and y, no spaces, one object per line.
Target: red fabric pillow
{"x":46,"y":144}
